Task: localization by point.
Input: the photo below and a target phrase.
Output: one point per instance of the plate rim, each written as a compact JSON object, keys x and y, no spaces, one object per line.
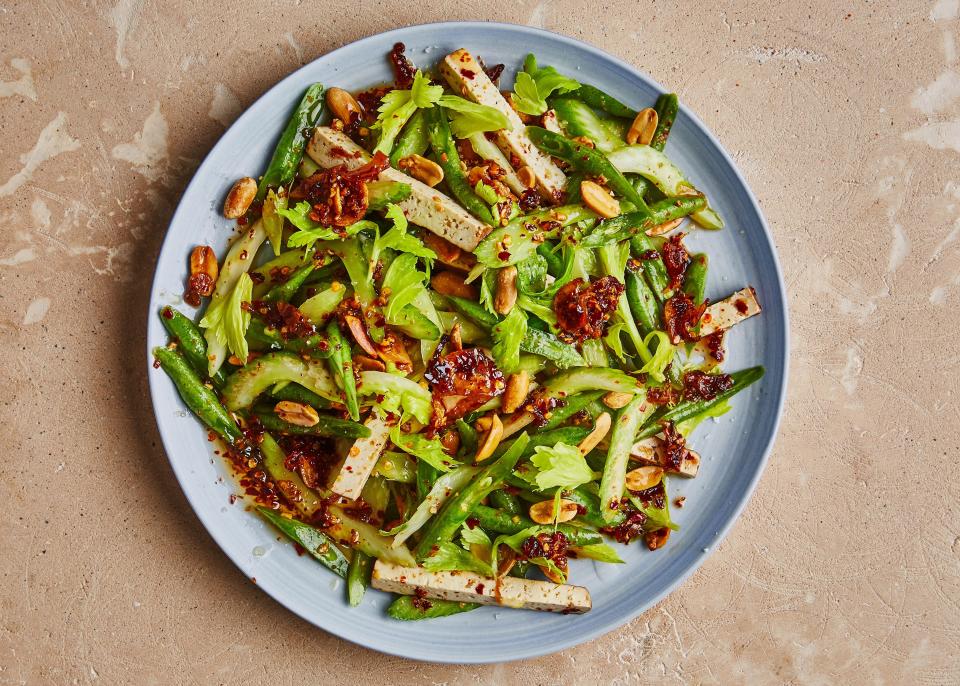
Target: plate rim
{"x":744,"y":498}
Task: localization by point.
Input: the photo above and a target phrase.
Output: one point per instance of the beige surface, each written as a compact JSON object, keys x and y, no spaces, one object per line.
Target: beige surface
{"x":845,"y":118}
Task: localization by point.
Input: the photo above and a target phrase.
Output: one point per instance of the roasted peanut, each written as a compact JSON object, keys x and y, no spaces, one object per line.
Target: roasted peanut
{"x":422,"y":169}
{"x":506,"y":296}
{"x":450,"y":440}
{"x":203,"y":274}
{"x":542,"y":512}
{"x":550,"y":122}
{"x":642,"y":478}
{"x":240,"y":198}
{"x":656,"y":539}
{"x":666,"y":227}
{"x":360,"y":335}
{"x":643,"y":127}
{"x":368,"y":364}
{"x":518,"y":385}
{"x":296,"y":413}
{"x":527,"y":177}
{"x":448,"y":253}
{"x":483,"y":423}
{"x":343,"y":105}
{"x":600,"y":429}
{"x":492,"y":439}
{"x":598,"y":199}
{"x":615,"y":400}
{"x":456,"y":339}
{"x":448,"y":283}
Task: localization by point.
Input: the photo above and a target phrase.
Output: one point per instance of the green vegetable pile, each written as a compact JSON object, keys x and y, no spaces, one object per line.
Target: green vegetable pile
{"x":401,"y":400}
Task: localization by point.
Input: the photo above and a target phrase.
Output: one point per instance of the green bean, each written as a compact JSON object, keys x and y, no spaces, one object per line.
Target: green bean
{"x":686,"y":409}
{"x":580,"y":495}
{"x":571,"y":435}
{"x":274,"y":461}
{"x":358,"y":576}
{"x":606,"y":103}
{"x":571,"y":406}
{"x":618,"y":455}
{"x":554,"y":261}
{"x":284,"y":292}
{"x":473,"y":311}
{"x":589,"y":161}
{"x":282,"y":264}
{"x":413,"y":139}
{"x":502,"y":522}
{"x":573,"y":194}
{"x":652,"y":265}
{"x":190,"y":342}
{"x":695,"y":281}
{"x":667,"y":107}
{"x":404,"y":609}
{"x":341,"y":366}
{"x":507,"y":502}
{"x":441,"y":140}
{"x":396,"y":466}
{"x":200,"y":399}
{"x":327,"y":426}
{"x":643,"y":304}
{"x":520,"y":569}
{"x":468,"y":438}
{"x":289,"y":150}
{"x":631,"y":224}
{"x":263,"y":337}
{"x":299,"y":394}
{"x":426,"y":476}
{"x":318,"y":544}
{"x":456,"y":510}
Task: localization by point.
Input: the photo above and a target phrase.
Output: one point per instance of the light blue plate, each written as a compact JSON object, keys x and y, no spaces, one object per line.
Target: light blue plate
{"x":734,"y":449}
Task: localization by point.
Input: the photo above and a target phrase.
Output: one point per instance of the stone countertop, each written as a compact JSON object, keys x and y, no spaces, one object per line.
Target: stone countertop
{"x":845,"y":120}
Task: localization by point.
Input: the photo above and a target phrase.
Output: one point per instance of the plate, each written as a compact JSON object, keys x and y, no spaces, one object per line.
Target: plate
{"x":735,"y":448}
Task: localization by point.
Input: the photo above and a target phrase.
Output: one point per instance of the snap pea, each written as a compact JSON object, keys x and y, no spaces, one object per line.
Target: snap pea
{"x":666,"y":107}
{"x":554,"y":261}
{"x":695,"y":280}
{"x":404,"y":609}
{"x":468,"y":438}
{"x":456,"y":510}
{"x":358,"y":576}
{"x":263,"y":337}
{"x":445,"y":150}
{"x":643,"y":304}
{"x":507,"y":502}
{"x":473,"y":311}
{"x":618,"y":455}
{"x":426,"y":476}
{"x":327,"y":426}
{"x":413,"y":139}
{"x":200,"y":399}
{"x":289,"y":150}
{"x":282,"y":264}
{"x":588,"y":500}
{"x":653,"y":267}
{"x":589,"y":161}
{"x":341,"y":366}
{"x":503,"y":522}
{"x":284,"y":292}
{"x":606,"y":103}
{"x":571,"y":406}
{"x":632,"y":224}
{"x":191,"y":342}
{"x":686,"y":409}
{"x":320,"y":546}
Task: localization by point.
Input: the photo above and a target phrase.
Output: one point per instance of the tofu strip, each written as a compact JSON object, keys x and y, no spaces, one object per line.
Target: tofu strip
{"x":650,"y":451}
{"x":723,"y":314}
{"x":361,"y":459}
{"x":469,"y":587}
{"x":425,"y":207}
{"x":466,"y":77}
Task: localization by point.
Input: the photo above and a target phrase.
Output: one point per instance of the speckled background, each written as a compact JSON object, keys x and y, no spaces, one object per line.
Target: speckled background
{"x":845,"y":119}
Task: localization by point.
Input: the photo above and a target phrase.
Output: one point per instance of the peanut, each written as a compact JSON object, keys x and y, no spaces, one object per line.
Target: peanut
{"x":666,"y":227}
{"x":204,"y":261}
{"x":642,"y":478}
{"x":615,"y":400}
{"x":518,"y":385}
{"x":527,"y":177}
{"x":343,"y":105}
{"x":296,"y":413}
{"x":598,"y":199}
{"x":643,"y":127}
{"x":448,"y":283}
{"x":542,"y":512}
{"x":492,"y":439}
{"x":506,"y":296}
{"x":240,"y":198}
{"x":656,"y":539}
{"x":600,"y":429}
{"x":422,"y":169}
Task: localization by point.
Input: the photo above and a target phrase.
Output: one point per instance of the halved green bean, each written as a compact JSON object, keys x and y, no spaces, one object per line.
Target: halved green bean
{"x":403,"y":608}
{"x":667,"y":107}
{"x":473,"y":311}
{"x":191,"y":342}
{"x":606,"y":103}
{"x":358,"y":576}
{"x":413,"y":139}
{"x":426,"y":476}
{"x":507,"y":502}
{"x":468,"y":438}
{"x":572,"y":405}
{"x":341,"y":366}
{"x":651,"y":263}
{"x":299,"y":394}
{"x":456,"y":510}
{"x":318,"y":544}
{"x":284,"y":292}
{"x":289,"y":150}
{"x":441,"y":140}
{"x":327,"y":426}
{"x":632,"y":224}
{"x":503,"y":522}
{"x":589,"y":161}
{"x":695,"y":280}
{"x":200,"y":399}
{"x":554,"y":261}
{"x":686,"y":409}
{"x":571,"y":435}
{"x":382,"y":193}
{"x":263,"y":337}
{"x":625,"y":428}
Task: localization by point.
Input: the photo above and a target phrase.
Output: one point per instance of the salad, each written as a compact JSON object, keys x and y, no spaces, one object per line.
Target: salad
{"x":458,"y":338}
